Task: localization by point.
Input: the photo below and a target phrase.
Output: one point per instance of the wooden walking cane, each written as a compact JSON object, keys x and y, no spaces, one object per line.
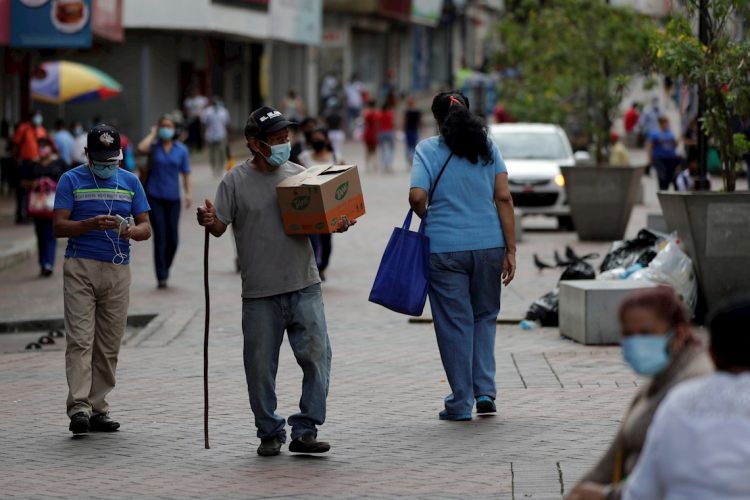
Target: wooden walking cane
{"x":205,"y":339}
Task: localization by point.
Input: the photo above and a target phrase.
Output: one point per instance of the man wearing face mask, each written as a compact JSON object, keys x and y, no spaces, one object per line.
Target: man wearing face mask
{"x":657,"y":342}
{"x":280,"y":286}
{"x":93,"y":203}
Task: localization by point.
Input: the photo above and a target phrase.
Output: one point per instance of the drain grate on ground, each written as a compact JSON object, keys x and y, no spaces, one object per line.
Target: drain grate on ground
{"x":39,"y":335}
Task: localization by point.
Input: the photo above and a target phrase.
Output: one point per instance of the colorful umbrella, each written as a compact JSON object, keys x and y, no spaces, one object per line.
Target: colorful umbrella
{"x":63,"y":82}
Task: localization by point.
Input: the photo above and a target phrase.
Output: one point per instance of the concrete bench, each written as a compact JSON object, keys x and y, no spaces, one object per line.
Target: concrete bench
{"x":588,"y":309}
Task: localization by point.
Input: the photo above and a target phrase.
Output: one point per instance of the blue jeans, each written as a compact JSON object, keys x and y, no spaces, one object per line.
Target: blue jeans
{"x":386,"y":146}
{"x":264,"y":321}
{"x":46,"y":243}
{"x":465,"y":300}
{"x":165,"y":222}
{"x":412,"y":138}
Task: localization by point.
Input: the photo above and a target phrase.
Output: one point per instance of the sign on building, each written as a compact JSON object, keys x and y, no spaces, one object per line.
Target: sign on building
{"x":296,"y":21}
{"x":50,"y":23}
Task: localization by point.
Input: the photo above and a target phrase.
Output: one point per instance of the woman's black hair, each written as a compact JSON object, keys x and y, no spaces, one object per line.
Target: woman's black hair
{"x":320,"y":130}
{"x":463,"y":132}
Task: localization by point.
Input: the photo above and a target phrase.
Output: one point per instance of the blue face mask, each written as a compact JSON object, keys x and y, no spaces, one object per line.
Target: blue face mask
{"x":646,"y":354}
{"x":279,"y":154}
{"x":104,"y":170}
{"x":37,"y":120}
{"x":166,"y":133}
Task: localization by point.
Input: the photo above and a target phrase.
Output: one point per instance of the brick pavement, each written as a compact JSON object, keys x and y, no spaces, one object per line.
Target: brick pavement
{"x":559,"y":402}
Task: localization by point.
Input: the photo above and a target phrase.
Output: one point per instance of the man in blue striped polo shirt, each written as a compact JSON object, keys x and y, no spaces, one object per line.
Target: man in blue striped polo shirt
{"x":99,"y":207}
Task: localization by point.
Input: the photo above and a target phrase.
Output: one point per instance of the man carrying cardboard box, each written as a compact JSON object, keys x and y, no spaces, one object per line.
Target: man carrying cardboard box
{"x":280,"y":286}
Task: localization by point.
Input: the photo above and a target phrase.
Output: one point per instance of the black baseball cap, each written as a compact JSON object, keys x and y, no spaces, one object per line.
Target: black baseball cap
{"x":265,"y":120}
{"x":103,"y":143}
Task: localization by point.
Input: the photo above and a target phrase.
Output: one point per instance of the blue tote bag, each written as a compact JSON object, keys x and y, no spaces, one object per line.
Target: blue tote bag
{"x":404,"y":272}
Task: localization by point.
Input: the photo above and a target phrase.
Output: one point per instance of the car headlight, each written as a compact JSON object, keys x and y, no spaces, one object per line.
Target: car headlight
{"x":560,"y":180}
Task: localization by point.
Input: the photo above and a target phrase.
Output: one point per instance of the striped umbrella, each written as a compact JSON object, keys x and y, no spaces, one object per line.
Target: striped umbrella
{"x":63,"y":82}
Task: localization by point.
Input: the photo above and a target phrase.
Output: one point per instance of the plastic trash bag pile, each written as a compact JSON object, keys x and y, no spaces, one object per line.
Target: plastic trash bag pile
{"x":649,"y":256}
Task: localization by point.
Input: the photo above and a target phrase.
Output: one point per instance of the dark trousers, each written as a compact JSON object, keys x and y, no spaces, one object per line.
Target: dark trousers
{"x":46,"y":243}
{"x":665,"y":170}
{"x":165,"y":218}
{"x":322,"y":246}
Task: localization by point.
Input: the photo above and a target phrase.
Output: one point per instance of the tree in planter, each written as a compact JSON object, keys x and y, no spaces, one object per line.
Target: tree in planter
{"x":575,"y":58}
{"x":720,"y":68}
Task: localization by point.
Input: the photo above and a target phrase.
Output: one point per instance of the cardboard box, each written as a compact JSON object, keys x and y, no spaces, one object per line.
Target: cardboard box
{"x":316,"y":200}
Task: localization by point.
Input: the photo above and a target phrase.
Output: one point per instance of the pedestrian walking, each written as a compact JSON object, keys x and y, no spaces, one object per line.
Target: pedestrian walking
{"x":698,"y":445}
{"x":168,"y":160}
{"x":630,"y":123}
{"x":92,"y":205}
{"x":321,"y":153}
{"x":470,"y":224}
{"x":386,"y":137}
{"x":662,"y":153}
{"x":215,"y":119}
{"x":280,"y":286}
{"x":45,"y":173}
{"x":293,"y":106}
{"x":26,"y":150}
{"x":301,"y":138}
{"x":412,"y":124}
{"x":64,"y":142}
{"x":354,"y":103}
{"x":618,"y":153}
{"x":80,"y":136}
{"x":334,"y":123}
{"x":370,"y":135}
{"x":194,"y":105}
{"x":657,"y":342}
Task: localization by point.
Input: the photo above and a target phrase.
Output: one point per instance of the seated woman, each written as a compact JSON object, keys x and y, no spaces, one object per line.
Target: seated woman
{"x":657,"y":341}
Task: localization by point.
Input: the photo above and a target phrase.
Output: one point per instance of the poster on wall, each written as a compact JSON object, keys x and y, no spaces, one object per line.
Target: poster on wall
{"x":426,"y":11}
{"x":296,"y":21}
{"x":50,"y":23}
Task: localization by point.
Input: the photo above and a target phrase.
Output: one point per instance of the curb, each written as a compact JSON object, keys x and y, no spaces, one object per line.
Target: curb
{"x":18,"y":252}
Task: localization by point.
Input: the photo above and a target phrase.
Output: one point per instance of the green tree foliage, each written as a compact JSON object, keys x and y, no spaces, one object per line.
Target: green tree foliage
{"x":721,"y":68}
{"x":575,"y":59}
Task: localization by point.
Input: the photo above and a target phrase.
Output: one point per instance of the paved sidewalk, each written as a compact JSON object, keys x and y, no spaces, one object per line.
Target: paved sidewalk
{"x":559,"y":402}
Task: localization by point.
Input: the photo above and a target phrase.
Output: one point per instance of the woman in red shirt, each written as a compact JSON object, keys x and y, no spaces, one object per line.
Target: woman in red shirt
{"x":371,"y":118}
{"x":386,"y":137}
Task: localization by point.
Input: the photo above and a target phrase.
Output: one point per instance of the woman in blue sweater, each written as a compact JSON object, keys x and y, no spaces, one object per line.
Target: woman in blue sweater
{"x":470,"y":223}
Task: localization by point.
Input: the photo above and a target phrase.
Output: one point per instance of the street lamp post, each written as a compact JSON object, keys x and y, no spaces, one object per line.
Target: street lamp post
{"x":701,"y":177}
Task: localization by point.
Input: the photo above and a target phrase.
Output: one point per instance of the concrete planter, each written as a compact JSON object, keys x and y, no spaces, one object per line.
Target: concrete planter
{"x":601,"y":199}
{"x":715,"y":231}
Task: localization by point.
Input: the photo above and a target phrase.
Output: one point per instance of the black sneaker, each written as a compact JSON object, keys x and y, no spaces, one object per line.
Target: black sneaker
{"x":308,"y":443}
{"x":486,"y":405}
{"x":79,"y":423}
{"x":270,"y":447}
{"x":102,"y":422}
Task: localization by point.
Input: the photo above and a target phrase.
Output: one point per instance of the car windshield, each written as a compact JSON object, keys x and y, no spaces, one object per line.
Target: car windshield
{"x":530,"y":145}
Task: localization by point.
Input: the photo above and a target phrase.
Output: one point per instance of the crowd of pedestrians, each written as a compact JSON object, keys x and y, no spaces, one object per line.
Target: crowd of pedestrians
{"x":692,"y":414}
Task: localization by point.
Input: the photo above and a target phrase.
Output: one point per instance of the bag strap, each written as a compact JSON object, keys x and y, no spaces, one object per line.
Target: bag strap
{"x":434,"y":186}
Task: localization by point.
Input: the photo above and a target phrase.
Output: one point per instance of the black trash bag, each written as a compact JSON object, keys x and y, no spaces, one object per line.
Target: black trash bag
{"x":546,"y":310}
{"x":578,"y":270}
{"x":640,"y":250}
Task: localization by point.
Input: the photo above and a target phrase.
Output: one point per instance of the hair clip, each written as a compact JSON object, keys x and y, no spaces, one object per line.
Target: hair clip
{"x":453,"y":101}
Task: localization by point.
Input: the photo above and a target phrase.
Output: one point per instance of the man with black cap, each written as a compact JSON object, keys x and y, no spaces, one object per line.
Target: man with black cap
{"x":99,"y":207}
{"x":280,"y":286}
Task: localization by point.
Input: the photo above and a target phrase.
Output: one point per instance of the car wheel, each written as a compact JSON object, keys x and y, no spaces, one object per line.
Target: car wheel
{"x":565,"y":223}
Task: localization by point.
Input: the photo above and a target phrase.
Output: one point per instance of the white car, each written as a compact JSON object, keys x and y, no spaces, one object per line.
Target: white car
{"x":534,"y":153}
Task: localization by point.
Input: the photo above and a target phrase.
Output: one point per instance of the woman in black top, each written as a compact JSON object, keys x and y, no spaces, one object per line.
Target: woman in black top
{"x":52,"y":167}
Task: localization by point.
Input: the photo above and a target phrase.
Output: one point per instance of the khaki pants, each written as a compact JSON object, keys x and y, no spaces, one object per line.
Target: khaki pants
{"x":96,"y":296}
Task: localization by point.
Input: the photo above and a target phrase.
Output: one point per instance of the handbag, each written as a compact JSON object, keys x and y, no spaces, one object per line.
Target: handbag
{"x":41,"y":199}
{"x":404,"y":273}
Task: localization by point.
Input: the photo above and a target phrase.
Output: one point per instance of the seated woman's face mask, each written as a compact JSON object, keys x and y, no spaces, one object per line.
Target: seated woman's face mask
{"x":647,"y":354}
